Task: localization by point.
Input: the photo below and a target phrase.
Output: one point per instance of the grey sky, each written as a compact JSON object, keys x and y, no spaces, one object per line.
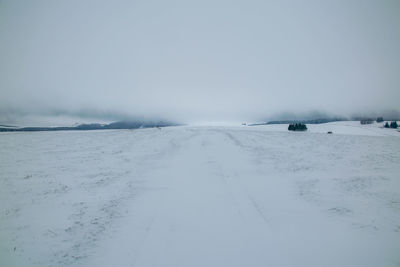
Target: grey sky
{"x":199,"y":60}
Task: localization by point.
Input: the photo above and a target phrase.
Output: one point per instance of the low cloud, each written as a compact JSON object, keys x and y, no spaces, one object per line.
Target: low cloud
{"x":197,"y":61}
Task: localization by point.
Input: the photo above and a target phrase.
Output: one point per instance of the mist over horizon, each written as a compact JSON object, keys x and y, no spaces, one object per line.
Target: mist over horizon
{"x":50,"y":118}
{"x":66,"y":62}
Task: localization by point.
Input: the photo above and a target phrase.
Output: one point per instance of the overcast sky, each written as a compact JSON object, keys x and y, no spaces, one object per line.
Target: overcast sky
{"x":198,"y":60}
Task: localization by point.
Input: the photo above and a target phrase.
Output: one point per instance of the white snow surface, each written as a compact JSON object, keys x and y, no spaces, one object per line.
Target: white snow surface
{"x":201,"y":196}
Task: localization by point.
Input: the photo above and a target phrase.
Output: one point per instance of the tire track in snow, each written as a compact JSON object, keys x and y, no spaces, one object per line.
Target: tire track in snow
{"x":241,"y":187}
{"x":143,"y":240}
{"x":258,"y":209}
{"x":229,"y":191}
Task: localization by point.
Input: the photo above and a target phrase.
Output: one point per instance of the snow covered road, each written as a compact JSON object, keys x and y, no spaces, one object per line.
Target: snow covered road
{"x":201,"y":196}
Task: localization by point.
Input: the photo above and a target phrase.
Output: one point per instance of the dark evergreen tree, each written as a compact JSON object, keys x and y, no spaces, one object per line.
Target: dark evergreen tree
{"x":394,"y":125}
{"x":387,"y":125}
{"x":379,"y":119}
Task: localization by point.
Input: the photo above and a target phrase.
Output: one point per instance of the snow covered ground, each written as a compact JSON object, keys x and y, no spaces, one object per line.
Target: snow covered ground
{"x":201,"y":196}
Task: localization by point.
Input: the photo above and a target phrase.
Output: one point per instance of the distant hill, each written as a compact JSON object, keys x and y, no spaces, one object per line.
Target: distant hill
{"x":311,"y":121}
{"x":94,"y":126}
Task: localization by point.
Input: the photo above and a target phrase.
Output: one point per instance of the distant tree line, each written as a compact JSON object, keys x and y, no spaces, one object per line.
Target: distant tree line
{"x":311,"y":121}
{"x":366,"y":121}
{"x":95,"y":126}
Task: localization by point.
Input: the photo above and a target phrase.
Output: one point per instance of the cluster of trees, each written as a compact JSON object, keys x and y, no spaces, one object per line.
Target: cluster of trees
{"x":297,"y":127}
{"x":366,"y":121}
{"x":393,"y":125}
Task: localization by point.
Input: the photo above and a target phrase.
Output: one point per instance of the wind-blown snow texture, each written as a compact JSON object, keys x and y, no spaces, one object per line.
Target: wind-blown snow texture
{"x":201,"y":196}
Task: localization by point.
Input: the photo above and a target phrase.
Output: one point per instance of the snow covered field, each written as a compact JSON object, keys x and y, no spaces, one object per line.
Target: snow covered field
{"x":201,"y":196}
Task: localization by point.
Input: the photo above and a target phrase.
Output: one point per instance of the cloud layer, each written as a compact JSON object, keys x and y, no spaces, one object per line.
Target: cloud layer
{"x":199,"y":60}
